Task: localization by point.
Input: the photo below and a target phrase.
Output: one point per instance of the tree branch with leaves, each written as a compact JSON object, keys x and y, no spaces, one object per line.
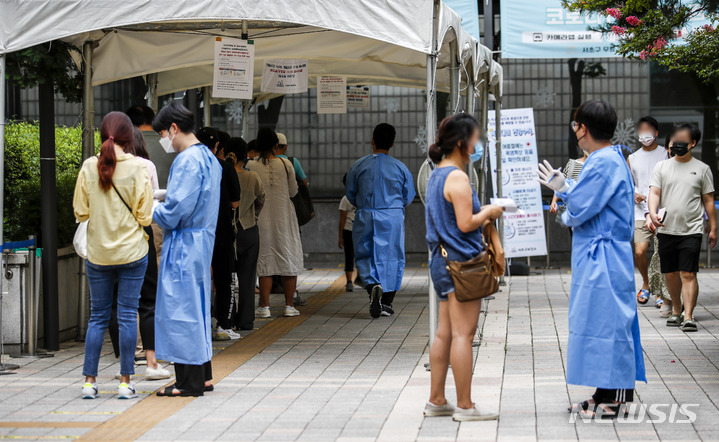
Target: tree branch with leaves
{"x":656,"y":30}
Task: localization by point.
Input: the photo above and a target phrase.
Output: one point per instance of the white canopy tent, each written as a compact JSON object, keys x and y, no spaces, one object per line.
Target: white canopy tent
{"x":410,"y":43}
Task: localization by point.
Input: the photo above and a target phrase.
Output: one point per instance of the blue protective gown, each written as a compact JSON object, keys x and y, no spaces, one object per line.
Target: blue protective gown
{"x":604,"y":348}
{"x":188,"y":218}
{"x":380,"y":187}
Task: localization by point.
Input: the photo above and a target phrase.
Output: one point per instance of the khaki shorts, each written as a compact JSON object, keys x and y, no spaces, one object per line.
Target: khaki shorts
{"x":641,"y":233}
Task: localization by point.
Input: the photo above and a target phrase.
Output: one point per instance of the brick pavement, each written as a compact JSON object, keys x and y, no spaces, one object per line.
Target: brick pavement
{"x":341,"y":376}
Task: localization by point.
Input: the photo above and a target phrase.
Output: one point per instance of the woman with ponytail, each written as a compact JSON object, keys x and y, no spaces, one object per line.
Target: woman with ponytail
{"x":113,"y":191}
{"x":454,"y":219}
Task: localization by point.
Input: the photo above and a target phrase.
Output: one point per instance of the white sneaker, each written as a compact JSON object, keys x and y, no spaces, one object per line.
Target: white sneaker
{"x":263,"y":312}
{"x":126,"y":391}
{"x":220,"y":334}
{"x":291,"y":311}
{"x":118,"y":376}
{"x":154,"y":374}
{"x":666,"y":309}
{"x":431,"y":410}
{"x":473,"y":414}
{"x":89,"y":391}
{"x":229,"y":332}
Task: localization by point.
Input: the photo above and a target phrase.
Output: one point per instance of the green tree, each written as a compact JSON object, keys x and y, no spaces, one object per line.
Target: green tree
{"x":655,"y":30}
{"x":50,"y":63}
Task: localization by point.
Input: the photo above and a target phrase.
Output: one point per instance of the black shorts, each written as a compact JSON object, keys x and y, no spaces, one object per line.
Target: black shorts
{"x":679,"y":253}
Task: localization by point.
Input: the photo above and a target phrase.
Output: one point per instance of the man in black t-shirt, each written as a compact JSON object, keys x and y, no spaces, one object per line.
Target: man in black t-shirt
{"x":223,"y":257}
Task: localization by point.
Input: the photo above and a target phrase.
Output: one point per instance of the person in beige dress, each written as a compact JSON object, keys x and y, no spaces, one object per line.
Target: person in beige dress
{"x":280,"y":244}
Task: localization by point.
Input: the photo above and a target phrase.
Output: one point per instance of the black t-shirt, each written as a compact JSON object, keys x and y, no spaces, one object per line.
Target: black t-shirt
{"x":229,"y":192}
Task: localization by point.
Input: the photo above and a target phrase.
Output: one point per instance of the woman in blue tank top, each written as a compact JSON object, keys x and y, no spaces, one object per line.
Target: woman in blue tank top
{"x":454,"y":219}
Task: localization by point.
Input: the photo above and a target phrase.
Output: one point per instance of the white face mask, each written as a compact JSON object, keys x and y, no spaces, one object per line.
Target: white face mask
{"x":166,"y":143}
{"x":646,"y":139}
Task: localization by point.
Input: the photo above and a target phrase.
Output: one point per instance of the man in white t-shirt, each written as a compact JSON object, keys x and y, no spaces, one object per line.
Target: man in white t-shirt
{"x":641,"y":164}
{"x":684,"y":186}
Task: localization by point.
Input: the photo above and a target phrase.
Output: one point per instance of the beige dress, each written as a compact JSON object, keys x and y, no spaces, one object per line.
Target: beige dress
{"x":280,"y":244}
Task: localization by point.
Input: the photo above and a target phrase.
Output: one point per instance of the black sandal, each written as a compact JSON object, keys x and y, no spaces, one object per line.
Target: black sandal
{"x":576,"y":408}
{"x":609,"y":411}
{"x":169,"y":392}
{"x":209,"y":387}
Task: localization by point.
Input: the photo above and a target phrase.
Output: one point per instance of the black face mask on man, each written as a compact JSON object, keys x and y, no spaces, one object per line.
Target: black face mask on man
{"x":679,"y":149}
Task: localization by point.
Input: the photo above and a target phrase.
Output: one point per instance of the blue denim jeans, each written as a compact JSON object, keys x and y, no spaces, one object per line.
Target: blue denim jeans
{"x":102,"y":279}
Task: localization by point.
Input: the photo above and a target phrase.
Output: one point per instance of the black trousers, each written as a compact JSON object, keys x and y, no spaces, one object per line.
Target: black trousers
{"x":192,"y":377}
{"x":349,"y":250}
{"x":146,"y":307}
{"x":607,"y":396}
{"x":223,"y":259}
{"x":248,"y":251}
{"x":387,"y":297}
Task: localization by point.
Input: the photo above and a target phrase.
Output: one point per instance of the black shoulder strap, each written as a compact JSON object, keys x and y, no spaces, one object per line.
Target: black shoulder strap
{"x":123,"y":200}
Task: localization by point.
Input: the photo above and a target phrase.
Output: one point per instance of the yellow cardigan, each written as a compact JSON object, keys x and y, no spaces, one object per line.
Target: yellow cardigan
{"x":114,"y":235}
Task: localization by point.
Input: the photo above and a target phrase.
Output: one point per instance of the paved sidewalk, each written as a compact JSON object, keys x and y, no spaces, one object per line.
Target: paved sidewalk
{"x":340,"y":375}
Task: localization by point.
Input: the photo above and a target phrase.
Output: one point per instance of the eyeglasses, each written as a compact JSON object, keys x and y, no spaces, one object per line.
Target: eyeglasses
{"x":575,"y":125}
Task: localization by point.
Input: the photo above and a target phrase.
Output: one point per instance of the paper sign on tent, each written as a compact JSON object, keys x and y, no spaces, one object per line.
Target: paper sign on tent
{"x":234,"y":68}
{"x":285,"y":76}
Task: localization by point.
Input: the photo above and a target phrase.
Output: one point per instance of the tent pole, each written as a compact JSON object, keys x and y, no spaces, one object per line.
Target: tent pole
{"x":206,"y":107}
{"x":2,"y":153}
{"x":152,"y":99}
{"x":245,"y":103}
{"x":469,"y":98}
{"x":484,"y":113}
{"x":453,"y":77}
{"x":498,"y":146}
{"x":88,"y":150}
{"x":245,"y":118}
{"x":431,"y":136}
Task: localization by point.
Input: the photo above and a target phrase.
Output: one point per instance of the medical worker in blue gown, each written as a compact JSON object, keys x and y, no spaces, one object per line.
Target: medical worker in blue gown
{"x":604,"y":349}
{"x":188,"y":217}
{"x":380,"y":187}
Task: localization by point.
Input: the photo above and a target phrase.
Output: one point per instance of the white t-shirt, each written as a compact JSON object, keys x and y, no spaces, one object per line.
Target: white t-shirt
{"x":346,"y":206}
{"x":642,"y":163}
{"x":682,"y":186}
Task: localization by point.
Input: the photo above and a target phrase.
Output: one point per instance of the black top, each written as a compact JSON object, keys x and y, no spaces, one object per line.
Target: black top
{"x":229,"y":192}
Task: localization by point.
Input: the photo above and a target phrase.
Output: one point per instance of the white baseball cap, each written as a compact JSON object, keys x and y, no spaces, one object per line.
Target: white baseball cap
{"x":281,"y":139}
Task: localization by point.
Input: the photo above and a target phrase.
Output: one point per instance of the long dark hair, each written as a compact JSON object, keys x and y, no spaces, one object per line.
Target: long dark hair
{"x":266,"y":142}
{"x":457,"y":128}
{"x":116,"y":128}
{"x":139,"y":148}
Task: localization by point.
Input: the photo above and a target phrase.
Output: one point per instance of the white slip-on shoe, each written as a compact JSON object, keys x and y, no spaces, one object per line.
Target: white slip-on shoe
{"x":126,"y":391}
{"x":431,"y":410}
{"x":89,"y":390}
{"x":263,"y":312}
{"x":154,"y":374}
{"x":291,"y":311}
{"x":473,"y":414}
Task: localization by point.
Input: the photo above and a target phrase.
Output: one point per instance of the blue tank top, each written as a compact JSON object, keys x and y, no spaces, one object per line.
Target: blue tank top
{"x":442,"y":222}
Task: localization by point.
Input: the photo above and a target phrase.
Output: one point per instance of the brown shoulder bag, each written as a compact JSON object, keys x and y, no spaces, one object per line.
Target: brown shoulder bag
{"x":477,"y":278}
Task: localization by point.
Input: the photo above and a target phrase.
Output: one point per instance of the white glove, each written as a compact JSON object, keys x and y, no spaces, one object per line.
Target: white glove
{"x":159,"y":194}
{"x":552,"y":178}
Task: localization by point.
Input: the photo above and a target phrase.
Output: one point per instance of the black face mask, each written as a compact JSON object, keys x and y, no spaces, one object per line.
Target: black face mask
{"x":680,"y":149}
